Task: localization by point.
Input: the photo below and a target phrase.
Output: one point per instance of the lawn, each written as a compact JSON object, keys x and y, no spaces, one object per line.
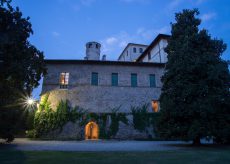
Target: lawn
{"x":200,"y":155}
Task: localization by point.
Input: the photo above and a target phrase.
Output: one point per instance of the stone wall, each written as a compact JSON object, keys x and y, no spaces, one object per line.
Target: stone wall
{"x":104,"y":97}
{"x":76,"y":132}
{"x":129,"y":132}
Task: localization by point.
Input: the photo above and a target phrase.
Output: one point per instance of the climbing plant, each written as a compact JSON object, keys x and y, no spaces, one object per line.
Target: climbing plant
{"x":142,"y":119}
{"x":46,"y":119}
{"x":110,"y":130}
{"x":115,"y":119}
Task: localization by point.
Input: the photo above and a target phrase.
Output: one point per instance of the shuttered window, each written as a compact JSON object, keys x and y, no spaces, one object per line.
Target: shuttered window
{"x":94,"y":78}
{"x":114,"y":79}
{"x":152,"y":80}
{"x":133,"y":80}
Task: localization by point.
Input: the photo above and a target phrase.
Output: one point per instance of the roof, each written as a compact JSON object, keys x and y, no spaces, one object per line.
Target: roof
{"x":100,"y":62}
{"x":129,"y":44}
{"x":154,"y":42}
{"x":93,"y":42}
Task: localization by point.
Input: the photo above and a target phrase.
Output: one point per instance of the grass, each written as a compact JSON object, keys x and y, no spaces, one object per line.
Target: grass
{"x":201,"y":155}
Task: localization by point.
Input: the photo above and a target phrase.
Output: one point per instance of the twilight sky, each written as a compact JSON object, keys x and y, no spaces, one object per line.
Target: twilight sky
{"x":62,"y":27}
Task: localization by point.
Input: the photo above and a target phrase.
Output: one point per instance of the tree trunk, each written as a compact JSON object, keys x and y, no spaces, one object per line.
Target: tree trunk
{"x":196,"y":141}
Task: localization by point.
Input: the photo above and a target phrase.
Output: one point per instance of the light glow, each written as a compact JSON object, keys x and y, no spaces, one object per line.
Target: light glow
{"x":30,"y":101}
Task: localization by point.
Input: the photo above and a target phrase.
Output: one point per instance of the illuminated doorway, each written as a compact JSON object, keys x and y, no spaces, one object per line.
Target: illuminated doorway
{"x":91,"y":131}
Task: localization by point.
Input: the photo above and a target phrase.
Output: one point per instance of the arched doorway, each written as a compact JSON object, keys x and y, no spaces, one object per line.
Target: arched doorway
{"x":91,"y":131}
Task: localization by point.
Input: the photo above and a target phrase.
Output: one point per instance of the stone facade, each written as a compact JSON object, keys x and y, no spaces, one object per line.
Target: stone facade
{"x":140,"y":63}
{"x":73,"y":131}
{"x":104,"y":97}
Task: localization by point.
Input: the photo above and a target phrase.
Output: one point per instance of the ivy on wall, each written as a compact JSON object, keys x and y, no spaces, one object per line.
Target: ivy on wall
{"x":108,"y":122}
{"x":47,"y":119}
{"x":142,"y":119}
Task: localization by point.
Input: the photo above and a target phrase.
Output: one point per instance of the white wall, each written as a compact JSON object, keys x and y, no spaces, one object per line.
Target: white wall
{"x":129,"y":55}
{"x":158,"y":55}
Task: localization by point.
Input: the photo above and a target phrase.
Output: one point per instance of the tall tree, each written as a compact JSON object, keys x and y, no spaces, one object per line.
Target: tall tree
{"x":22,"y":65}
{"x":195,"y":92}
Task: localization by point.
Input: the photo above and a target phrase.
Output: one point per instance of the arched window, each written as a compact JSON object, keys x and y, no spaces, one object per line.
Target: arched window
{"x":141,"y":50}
{"x":90,"y":45}
{"x":134,"y":50}
{"x":97,"y":46}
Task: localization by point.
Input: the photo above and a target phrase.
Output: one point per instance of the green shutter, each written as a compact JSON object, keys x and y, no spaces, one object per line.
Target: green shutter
{"x":114,"y":79}
{"x":152,"y":80}
{"x":133,"y":80}
{"x":94,"y":78}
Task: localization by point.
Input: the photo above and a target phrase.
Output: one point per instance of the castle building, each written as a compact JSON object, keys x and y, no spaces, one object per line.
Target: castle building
{"x":99,"y":86}
{"x":131,"y":52}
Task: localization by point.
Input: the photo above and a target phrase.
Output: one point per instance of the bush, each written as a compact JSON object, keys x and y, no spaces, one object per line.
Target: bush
{"x":31,"y":133}
{"x":46,"y":119}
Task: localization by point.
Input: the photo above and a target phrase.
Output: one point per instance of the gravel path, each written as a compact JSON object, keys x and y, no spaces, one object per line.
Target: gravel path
{"x":96,"y":145}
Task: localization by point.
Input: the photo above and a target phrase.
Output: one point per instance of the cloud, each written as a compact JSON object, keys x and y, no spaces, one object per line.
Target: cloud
{"x":111,"y":44}
{"x":114,"y":44}
{"x":111,"y":40}
{"x":55,"y":34}
{"x":174,"y":4}
{"x":208,"y":16}
{"x":148,"y":34}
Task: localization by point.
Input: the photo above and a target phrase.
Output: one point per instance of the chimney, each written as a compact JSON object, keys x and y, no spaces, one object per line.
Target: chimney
{"x":104,"y":58}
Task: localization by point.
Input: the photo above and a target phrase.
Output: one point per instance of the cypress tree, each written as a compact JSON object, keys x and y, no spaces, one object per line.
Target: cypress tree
{"x":195,"y":92}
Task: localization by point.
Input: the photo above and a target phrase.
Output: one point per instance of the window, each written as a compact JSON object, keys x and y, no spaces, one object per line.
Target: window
{"x":94,"y":78}
{"x":141,"y":50}
{"x":64,"y":80}
{"x":155,"y":106}
{"x":134,"y":50}
{"x":133,"y":80}
{"x":114,"y":79}
{"x":127,"y":53}
{"x":90,"y":45}
{"x":97,"y":46}
{"x":152,"y":80}
{"x":149,"y":55}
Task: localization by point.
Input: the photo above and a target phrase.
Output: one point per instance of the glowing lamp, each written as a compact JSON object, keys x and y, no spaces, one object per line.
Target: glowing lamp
{"x":30,"y":101}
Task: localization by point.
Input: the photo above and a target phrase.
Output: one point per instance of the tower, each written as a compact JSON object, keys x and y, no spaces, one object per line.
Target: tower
{"x":93,"y":51}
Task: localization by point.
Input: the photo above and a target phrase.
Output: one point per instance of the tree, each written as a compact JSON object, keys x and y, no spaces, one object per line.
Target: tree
{"x":22,"y":66}
{"x":195,"y":92}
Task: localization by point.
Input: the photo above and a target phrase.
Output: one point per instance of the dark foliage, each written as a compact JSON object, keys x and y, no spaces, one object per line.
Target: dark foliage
{"x":144,"y":121}
{"x":195,"y":93}
{"x":21,"y":66}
